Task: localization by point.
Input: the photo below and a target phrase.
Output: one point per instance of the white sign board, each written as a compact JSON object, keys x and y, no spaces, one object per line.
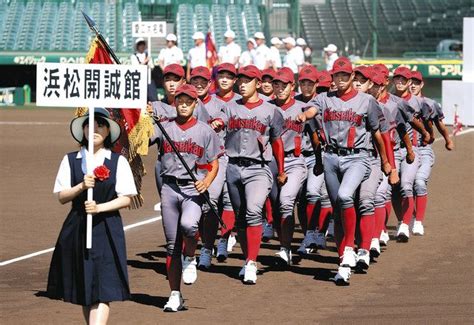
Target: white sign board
{"x":93,"y":85}
{"x":149,"y":29}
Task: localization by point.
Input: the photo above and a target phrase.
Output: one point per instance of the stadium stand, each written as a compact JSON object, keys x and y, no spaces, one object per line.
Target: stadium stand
{"x":402,"y":25}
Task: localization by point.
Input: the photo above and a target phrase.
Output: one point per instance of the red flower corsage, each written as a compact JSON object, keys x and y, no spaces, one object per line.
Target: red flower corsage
{"x":102,"y":173}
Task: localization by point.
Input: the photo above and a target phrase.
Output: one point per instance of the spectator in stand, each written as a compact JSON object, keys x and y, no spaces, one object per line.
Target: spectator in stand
{"x":294,"y":58}
{"x":171,"y":54}
{"x":247,"y":57}
{"x":262,"y":58}
{"x":330,"y":55}
{"x":196,"y":55}
{"x":300,"y":42}
{"x":229,"y":53}
{"x":275,"y":53}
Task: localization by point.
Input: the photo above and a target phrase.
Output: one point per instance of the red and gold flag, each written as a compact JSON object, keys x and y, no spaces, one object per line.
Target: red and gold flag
{"x":136,"y":127}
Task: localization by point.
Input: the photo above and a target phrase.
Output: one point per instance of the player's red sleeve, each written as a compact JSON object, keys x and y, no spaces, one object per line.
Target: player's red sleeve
{"x":279,"y":153}
{"x":389,"y":149}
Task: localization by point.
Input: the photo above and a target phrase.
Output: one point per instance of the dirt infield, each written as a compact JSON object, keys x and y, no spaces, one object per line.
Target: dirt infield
{"x":428,"y":280}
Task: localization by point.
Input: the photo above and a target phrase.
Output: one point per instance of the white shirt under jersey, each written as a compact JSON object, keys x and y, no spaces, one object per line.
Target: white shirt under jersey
{"x":197,"y":56}
{"x":171,"y":55}
{"x":275,"y":57}
{"x":262,"y":57}
{"x":124,"y":184}
{"x":293,"y":59}
{"x":230,"y":53}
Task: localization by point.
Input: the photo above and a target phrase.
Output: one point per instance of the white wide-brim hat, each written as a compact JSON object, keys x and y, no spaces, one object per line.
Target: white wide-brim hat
{"x":276,"y":41}
{"x":301,"y":42}
{"x":330,"y":48}
{"x":77,"y":130}
{"x":171,"y":37}
{"x":259,"y":35}
{"x":289,"y":40}
{"x":198,"y":35}
{"x":230,"y":34}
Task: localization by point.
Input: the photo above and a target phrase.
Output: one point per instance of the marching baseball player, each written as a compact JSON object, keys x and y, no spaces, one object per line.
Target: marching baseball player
{"x":396,"y":119}
{"x":181,"y":199}
{"x":266,"y":89}
{"x":314,"y":203}
{"x":171,"y":54}
{"x":252,"y":125}
{"x":346,"y":116}
{"x":226,"y":79}
{"x":427,"y":157}
{"x":213,"y":108}
{"x":402,"y":81}
{"x":164,"y":110}
{"x":366,"y":206}
{"x":295,"y":166}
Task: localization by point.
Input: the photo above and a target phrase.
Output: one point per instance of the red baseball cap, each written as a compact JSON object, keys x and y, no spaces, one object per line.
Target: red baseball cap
{"x":175,"y":69}
{"x":308,"y":72}
{"x":402,"y":71}
{"x":284,"y":75}
{"x":417,"y":75}
{"x":250,"y":71}
{"x":377,"y":77}
{"x":187,"y":90}
{"x":324,"y":79}
{"x":342,"y":64}
{"x":382,"y":68}
{"x":364,"y":70}
{"x":227,"y":67}
{"x":268,"y":72}
{"x":202,"y":72}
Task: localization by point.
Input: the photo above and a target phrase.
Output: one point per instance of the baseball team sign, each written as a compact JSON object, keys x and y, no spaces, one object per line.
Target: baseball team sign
{"x":99,"y":85}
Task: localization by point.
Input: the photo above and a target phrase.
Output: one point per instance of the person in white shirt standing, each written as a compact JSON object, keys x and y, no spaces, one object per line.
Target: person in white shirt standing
{"x":330,"y":55}
{"x":262,"y":59}
{"x":294,"y":58}
{"x":171,"y":54}
{"x":301,"y":43}
{"x":229,"y":53}
{"x":246,"y":58}
{"x":141,"y":57}
{"x":275,"y":53}
{"x":196,"y":55}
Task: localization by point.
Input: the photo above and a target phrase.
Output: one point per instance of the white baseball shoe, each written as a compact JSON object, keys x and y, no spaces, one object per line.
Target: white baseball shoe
{"x":250,"y":275}
{"x":267,"y":233}
{"x":330,"y":230}
{"x":403,"y":233}
{"x":205,"y":259}
{"x":363,"y":259}
{"x":189,"y":270}
{"x":284,"y":256}
{"x":320,"y":240}
{"x":384,"y":238}
{"x":342,"y":277}
{"x":418,"y":229}
{"x":222,"y":250}
{"x":175,"y":302}
{"x":375,"y":247}
{"x":231,"y":243}
{"x":349,"y":257}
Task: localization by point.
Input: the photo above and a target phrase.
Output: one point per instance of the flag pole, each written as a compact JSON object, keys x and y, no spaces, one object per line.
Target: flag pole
{"x":89,"y":159}
{"x":93,"y":27}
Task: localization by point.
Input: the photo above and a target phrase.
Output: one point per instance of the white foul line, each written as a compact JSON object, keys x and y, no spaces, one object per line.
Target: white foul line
{"x":141,"y":223}
{"x":49,"y":250}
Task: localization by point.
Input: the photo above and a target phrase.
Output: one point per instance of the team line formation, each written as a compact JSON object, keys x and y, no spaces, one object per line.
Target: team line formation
{"x":334,"y":148}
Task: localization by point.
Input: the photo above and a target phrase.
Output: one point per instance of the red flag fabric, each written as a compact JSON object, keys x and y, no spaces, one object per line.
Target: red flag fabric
{"x":211,"y":52}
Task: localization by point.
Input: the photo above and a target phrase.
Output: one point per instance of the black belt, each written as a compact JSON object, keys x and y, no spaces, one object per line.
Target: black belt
{"x":307,"y":153}
{"x":290,"y":153}
{"x":246,"y":162}
{"x":344,"y":151}
{"x":177,"y":181}
{"x":373,"y":153}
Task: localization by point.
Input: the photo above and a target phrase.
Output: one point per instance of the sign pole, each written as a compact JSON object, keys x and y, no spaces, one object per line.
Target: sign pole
{"x":149,"y":55}
{"x":90,"y":171}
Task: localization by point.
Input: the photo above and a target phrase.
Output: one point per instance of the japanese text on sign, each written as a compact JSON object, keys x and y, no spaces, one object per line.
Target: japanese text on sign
{"x":107,"y":85}
{"x":149,"y":29}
